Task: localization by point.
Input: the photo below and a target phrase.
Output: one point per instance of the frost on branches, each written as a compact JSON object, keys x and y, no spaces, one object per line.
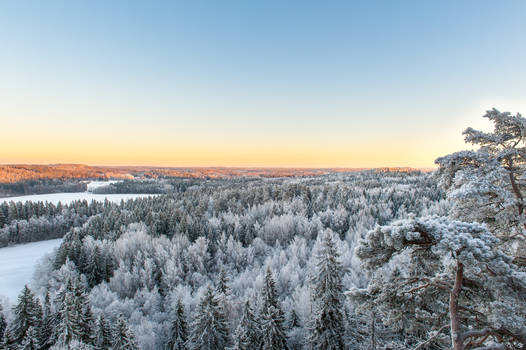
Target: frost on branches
{"x":488,"y":184}
{"x":450,"y":284}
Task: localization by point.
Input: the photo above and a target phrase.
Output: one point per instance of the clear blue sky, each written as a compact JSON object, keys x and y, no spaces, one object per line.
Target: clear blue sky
{"x":350,"y":83}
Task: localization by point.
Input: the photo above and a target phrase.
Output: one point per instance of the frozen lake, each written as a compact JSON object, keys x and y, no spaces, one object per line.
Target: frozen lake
{"x":17,"y":265}
{"x":67,"y":198}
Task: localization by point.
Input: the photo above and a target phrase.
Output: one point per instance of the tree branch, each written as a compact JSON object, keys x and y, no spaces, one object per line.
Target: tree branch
{"x":424,"y":343}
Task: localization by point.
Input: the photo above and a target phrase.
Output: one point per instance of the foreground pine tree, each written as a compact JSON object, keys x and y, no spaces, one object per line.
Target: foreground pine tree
{"x":28,"y":313}
{"x":328,"y":328}
{"x":209,"y":328}
{"x":452,"y":268}
{"x":179,"y":332}
{"x":272,"y":317}
{"x":248,"y":332}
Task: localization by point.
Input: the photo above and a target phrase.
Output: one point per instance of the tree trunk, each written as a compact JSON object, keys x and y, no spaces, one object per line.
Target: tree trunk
{"x":456,"y":339}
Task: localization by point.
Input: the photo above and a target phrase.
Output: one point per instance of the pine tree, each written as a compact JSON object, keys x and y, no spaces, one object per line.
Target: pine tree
{"x":45,"y":332}
{"x":248,"y":332}
{"x":83,"y":309}
{"x":30,"y":340}
{"x":102,"y":339}
{"x":3,"y":219}
{"x":3,"y":324}
{"x":443,"y":258}
{"x":69,"y":326}
{"x":209,"y":328}
{"x":328,"y":327}
{"x":179,"y":332}
{"x":222,"y":284}
{"x":223,"y":294}
{"x":294,"y":321}
{"x":273,"y":319}
{"x":123,"y":337}
{"x":27,"y":315}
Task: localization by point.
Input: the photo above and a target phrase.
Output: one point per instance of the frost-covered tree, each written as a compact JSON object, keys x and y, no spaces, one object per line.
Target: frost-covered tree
{"x":45,"y":331}
{"x":224,"y":294}
{"x":74,"y":345}
{"x":179,"y":331}
{"x":3,"y":324}
{"x":488,"y":184}
{"x":222,"y":284}
{"x":102,"y":334}
{"x":75,"y":321}
{"x":328,"y":327}
{"x":209,"y":329}
{"x":122,"y":337}
{"x":30,"y":341}
{"x":273,"y":334}
{"x":248,"y":333}
{"x":443,"y":280}
{"x":69,"y":326}
{"x":27,"y":314}
{"x":83,"y":309}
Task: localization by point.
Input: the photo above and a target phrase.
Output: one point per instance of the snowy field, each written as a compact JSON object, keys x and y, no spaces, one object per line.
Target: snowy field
{"x":67,"y":198}
{"x":93,"y":185}
{"x":17,"y":265}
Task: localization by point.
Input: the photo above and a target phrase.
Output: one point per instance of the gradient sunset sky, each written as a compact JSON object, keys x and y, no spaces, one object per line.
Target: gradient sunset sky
{"x":254,"y":83}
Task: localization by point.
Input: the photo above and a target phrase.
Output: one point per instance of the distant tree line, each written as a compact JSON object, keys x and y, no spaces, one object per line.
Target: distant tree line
{"x":42,"y":186}
{"x":37,"y":221}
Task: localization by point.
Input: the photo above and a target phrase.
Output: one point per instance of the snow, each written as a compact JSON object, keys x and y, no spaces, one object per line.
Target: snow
{"x":67,"y":198}
{"x":17,"y":265}
{"x":93,"y":185}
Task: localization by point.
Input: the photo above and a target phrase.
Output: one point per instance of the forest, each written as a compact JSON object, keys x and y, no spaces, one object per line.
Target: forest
{"x":348,"y":260}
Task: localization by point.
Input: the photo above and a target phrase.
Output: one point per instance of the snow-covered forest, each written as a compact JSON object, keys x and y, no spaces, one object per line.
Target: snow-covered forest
{"x":365,"y":260}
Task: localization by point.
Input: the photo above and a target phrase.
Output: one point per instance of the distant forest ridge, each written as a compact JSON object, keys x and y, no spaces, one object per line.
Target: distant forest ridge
{"x":12,"y":173}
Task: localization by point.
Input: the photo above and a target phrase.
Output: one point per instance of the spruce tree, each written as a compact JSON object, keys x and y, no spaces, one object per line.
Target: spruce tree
{"x":248,"y":332}
{"x":209,"y":328}
{"x":102,"y":338}
{"x":30,"y":340}
{"x":223,"y":294}
{"x":27,"y":315}
{"x":83,"y":309}
{"x":272,"y":317}
{"x":3,"y":324}
{"x":328,"y":328}
{"x":3,"y":219}
{"x":179,"y":332}
{"x":222,"y":284}
{"x":123,"y":337}
{"x":294,"y":321}
{"x":45,"y":332}
{"x":69,"y":327}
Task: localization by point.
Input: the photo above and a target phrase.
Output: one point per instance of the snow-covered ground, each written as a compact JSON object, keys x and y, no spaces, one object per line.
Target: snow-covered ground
{"x":67,"y":198}
{"x":17,"y":265}
{"x":93,"y":185}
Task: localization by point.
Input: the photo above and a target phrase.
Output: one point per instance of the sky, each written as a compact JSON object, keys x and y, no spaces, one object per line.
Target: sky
{"x":254,"y":83}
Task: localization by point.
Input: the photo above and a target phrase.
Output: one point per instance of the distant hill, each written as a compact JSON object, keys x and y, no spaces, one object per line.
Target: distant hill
{"x":20,"y":172}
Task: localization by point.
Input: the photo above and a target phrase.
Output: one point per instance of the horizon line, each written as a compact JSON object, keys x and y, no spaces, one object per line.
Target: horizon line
{"x":223,"y":166}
